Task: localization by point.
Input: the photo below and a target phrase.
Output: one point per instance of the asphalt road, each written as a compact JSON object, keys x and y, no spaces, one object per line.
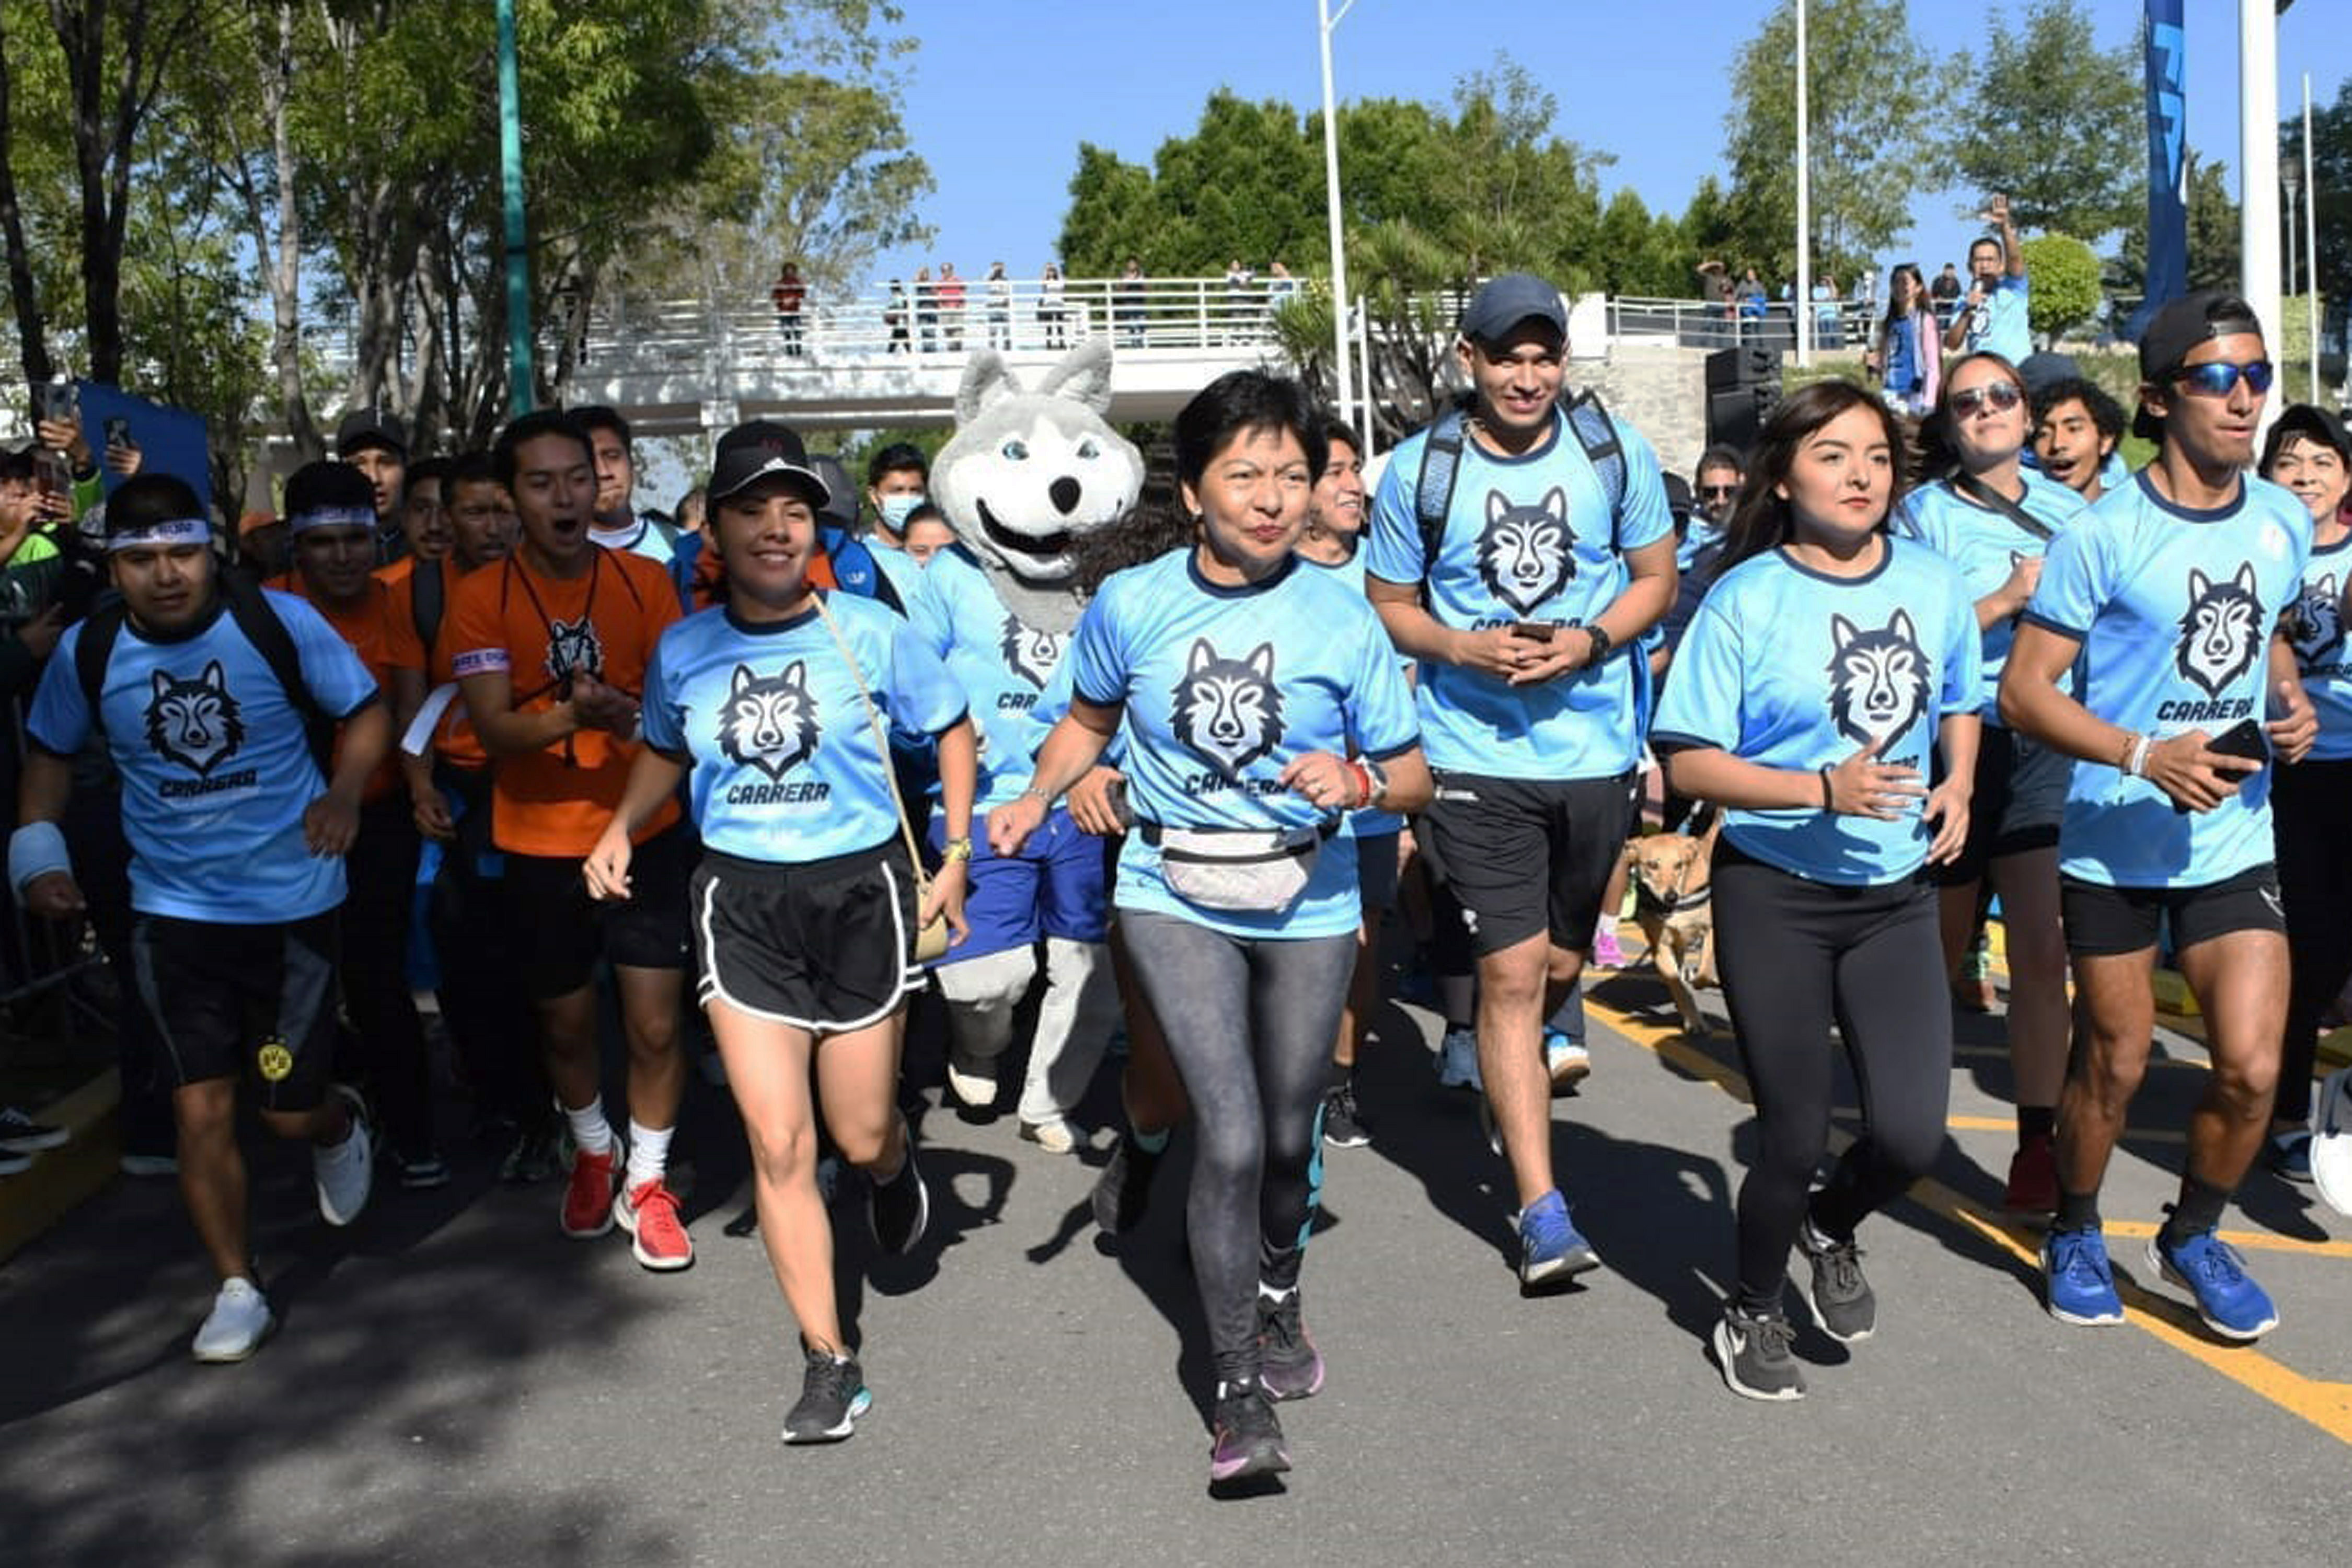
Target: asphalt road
{"x":452,"y":1383}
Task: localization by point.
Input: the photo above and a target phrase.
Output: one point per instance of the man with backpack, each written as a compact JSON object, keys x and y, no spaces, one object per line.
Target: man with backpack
{"x":1520,"y":548}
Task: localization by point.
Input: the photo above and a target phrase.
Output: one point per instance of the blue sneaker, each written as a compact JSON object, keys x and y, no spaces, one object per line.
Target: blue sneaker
{"x":2210,"y":1269}
{"x":1566,"y":1059}
{"x":1550,"y":1248}
{"x":2081,"y":1287}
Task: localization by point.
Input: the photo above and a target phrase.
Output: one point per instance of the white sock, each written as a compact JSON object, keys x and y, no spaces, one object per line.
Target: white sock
{"x":1606,"y":926}
{"x":590,"y":1130}
{"x":648,"y":1153}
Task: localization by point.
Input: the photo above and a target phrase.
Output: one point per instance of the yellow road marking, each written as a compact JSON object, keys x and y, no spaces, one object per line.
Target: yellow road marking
{"x":2326,"y":1405}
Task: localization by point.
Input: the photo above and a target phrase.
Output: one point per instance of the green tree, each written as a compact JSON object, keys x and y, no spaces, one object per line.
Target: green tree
{"x":2214,"y":241}
{"x":2331,"y":154}
{"x":2055,"y":120}
{"x":1874,"y":98}
{"x":2066,"y":293}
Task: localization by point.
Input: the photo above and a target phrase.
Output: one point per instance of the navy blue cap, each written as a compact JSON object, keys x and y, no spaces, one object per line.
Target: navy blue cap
{"x":1507,"y":302}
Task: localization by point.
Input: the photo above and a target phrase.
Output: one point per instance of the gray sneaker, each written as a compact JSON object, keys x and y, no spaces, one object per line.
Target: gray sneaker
{"x":1840,"y":1297}
{"x":345,"y":1170}
{"x":238,"y":1323}
{"x":1755,"y":1356}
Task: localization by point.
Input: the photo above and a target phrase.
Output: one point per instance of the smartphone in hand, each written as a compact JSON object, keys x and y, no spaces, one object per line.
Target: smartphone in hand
{"x":1534,"y":631}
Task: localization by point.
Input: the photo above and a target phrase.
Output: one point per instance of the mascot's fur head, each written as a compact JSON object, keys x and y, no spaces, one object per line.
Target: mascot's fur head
{"x":1027,"y":474}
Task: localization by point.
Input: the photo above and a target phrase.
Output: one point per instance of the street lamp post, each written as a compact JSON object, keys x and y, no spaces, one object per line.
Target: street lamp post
{"x":1344,"y":375}
{"x":2290,"y":181}
{"x":520,"y":393}
{"x":1801,"y":307}
{"x":2258,"y":170}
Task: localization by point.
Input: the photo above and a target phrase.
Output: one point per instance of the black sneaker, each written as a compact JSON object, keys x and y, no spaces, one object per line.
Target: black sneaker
{"x":532,"y":1158}
{"x":833,"y":1396}
{"x":1755,"y":1356}
{"x":1343,"y":1125}
{"x":899,"y":1209}
{"x":1841,"y":1297}
{"x":1124,"y":1188}
{"x":1289,"y":1364}
{"x":421,"y":1168}
{"x":1248,"y":1437}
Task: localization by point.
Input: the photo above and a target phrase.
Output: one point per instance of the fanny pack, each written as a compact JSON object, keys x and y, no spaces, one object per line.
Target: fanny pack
{"x":1255,"y":870}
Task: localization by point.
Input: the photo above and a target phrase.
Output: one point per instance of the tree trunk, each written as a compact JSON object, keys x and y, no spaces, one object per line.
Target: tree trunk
{"x":32,"y":335}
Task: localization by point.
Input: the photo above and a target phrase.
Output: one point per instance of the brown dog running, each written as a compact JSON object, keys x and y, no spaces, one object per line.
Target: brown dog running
{"x":1672,"y":875}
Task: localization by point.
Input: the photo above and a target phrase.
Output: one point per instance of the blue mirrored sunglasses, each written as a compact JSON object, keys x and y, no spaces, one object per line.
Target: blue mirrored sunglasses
{"x":2218,"y":378}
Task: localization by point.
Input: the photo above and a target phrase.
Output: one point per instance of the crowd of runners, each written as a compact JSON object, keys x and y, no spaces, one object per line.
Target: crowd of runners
{"x":1923,"y":645}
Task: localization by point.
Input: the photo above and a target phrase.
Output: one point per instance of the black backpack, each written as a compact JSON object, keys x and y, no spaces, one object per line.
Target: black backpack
{"x":247,"y":605}
{"x":1441,"y":463}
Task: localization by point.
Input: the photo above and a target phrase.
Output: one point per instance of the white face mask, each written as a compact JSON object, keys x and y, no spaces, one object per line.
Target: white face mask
{"x":895,"y":509}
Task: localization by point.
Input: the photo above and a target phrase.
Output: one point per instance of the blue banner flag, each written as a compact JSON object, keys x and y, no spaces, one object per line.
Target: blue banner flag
{"x":2167,"y":191}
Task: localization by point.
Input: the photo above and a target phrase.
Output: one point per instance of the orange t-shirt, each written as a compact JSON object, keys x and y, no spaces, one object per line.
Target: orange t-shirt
{"x":555,"y":801}
{"x":454,"y":739}
{"x":384,"y":642}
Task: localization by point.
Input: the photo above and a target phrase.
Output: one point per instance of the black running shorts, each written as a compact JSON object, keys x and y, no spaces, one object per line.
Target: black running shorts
{"x":561,"y":933}
{"x":2102,"y":921}
{"x":825,"y":945}
{"x":231,"y":1001}
{"x":2019,"y":795}
{"x":1525,"y":856}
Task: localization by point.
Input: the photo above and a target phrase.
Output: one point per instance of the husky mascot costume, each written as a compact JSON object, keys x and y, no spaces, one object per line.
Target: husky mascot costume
{"x":1026,"y":475}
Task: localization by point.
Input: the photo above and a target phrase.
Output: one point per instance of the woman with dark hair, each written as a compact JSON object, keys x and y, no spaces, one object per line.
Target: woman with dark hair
{"x":1261,"y":700}
{"x":1992,"y":517}
{"x":1827,"y":661}
{"x":1908,"y":354}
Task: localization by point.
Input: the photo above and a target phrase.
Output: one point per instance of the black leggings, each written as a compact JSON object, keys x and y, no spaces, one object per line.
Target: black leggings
{"x":381,"y":869}
{"x":1250,"y":1022}
{"x":1796,"y":956}
{"x":2314,"y":832}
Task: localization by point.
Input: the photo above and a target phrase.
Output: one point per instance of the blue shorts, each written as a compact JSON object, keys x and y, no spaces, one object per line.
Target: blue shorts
{"x":1055,"y":887}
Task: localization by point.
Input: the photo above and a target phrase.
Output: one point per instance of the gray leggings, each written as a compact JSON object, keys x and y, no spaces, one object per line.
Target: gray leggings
{"x":1250,"y":1022}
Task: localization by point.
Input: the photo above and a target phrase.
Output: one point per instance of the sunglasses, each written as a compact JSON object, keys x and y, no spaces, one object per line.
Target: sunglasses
{"x":1718,"y":492}
{"x":2000,"y":396}
{"x":2220,"y":378}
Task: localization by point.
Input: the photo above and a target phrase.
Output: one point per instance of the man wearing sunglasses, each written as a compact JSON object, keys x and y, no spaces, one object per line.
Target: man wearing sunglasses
{"x":2169,"y":593}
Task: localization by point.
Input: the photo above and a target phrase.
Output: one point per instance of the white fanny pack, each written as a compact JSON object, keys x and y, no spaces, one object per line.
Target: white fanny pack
{"x":1257,"y":870}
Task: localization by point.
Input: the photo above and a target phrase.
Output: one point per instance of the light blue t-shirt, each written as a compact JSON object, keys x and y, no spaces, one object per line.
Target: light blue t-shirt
{"x":2315,"y":626}
{"x":1364,"y":823}
{"x":786,"y":767}
{"x":1527,"y":539}
{"x":645,"y":539}
{"x":2173,"y":608}
{"x":1986,"y":545}
{"x":1224,"y":687}
{"x":1789,"y":667}
{"x":900,"y":570}
{"x":2000,"y":325}
{"x":216,"y":768}
{"x":1699,"y":538}
{"x":1002,"y":665}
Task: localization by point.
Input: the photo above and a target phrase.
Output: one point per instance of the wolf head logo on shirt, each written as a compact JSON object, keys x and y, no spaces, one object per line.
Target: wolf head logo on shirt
{"x":194,"y":722}
{"x":2315,"y":624}
{"x":1526,"y":554}
{"x":1878,"y":679}
{"x":573,"y":649}
{"x":1227,"y":711}
{"x":769,"y":722}
{"x":1028,"y":653}
{"x":2221,"y":631}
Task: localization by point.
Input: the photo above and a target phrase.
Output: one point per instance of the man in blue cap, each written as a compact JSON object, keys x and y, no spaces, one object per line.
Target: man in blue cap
{"x":1519,"y":548}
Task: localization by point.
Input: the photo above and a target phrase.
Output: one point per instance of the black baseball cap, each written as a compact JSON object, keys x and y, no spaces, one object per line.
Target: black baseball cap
{"x":2310,"y":422}
{"x":2175,"y":330}
{"x":1678,"y":496}
{"x":840,"y":507}
{"x":1504,"y":303}
{"x":2046,"y":369}
{"x":371,"y":427}
{"x":756,"y":448}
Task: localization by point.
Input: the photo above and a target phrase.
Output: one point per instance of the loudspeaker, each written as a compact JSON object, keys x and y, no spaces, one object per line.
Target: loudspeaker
{"x":1749,"y":364}
{"x":1736,"y":418}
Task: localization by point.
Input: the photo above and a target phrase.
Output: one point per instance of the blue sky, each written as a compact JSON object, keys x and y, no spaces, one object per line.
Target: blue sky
{"x":999,"y":96}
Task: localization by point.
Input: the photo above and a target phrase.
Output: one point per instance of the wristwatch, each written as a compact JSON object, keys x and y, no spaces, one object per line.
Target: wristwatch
{"x":1379,"y":778}
{"x":955,"y":850}
{"x":1602,"y":641}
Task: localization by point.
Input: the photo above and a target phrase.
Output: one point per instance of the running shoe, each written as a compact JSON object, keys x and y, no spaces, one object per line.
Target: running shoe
{"x":2081,"y":1287}
{"x":1124,"y":1189}
{"x":1248,"y":1437}
{"x":20,"y":1134}
{"x":1054,"y":1135}
{"x":899,"y":1210}
{"x":2209,"y":1269}
{"x":589,"y":1191}
{"x":2288,"y":1154}
{"x":1289,"y":1366}
{"x":421,"y":1168}
{"x":532,"y":1158}
{"x":344,"y":1172}
{"x":238,"y":1323}
{"x":1755,"y":1356}
{"x":1606,"y":952}
{"x":15,"y":1164}
{"x":648,"y":1212}
{"x":1343,"y":1123}
{"x":145,"y":1166}
{"x":1841,"y":1298}
{"x":1566,"y":1059}
{"x":2331,"y":1141}
{"x":1550,"y":1248}
{"x":2033,"y":1186}
{"x":972,"y":1080}
{"x":1457,"y":1061}
{"x":833,"y":1396}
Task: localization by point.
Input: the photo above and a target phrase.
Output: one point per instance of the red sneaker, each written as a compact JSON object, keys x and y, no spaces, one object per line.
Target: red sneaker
{"x":588,"y":1194}
{"x":648,"y":1212}
{"x":2032,"y":1179}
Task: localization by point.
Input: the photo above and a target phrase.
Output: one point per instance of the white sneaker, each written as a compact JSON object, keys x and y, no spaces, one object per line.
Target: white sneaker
{"x":1457,"y":1061}
{"x":345,"y":1170}
{"x":20,"y":1134}
{"x":239,"y":1322}
{"x":1054,"y":1135}
{"x":1566,"y":1059}
{"x":2331,"y":1141}
{"x":972,"y":1080}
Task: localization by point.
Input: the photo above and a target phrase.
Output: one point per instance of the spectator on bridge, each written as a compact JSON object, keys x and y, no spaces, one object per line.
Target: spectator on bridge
{"x":1945,"y":293}
{"x":1128,"y":296}
{"x":788,"y":294}
{"x":894,"y":316}
{"x":1240,"y":295}
{"x":1828,"y":333}
{"x":1052,"y":310}
{"x":1750,"y":297}
{"x":998,"y":288}
{"x":927,"y":310}
{"x":951,"y":295}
